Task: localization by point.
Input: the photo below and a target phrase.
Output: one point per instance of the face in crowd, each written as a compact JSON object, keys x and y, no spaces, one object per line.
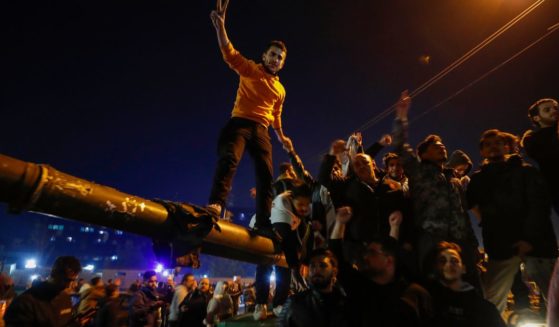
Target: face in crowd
{"x":449,"y":266}
{"x":493,"y":148}
{"x":322,"y":272}
{"x":190,"y":283}
{"x":204,"y":285}
{"x":394,"y":169}
{"x":363,"y":167}
{"x":152,"y":282}
{"x":435,"y":152}
{"x":548,"y":114}
{"x":65,"y":279}
{"x":302,"y":206}
{"x":376,"y":261}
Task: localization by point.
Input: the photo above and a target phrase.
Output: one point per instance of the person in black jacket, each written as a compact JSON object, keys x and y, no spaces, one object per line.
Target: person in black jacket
{"x":542,"y":143}
{"x":510,"y":198}
{"x":371,"y":206}
{"x":378,"y":295}
{"x":48,"y":304}
{"x":455,"y":302}
{"x":193,"y":309}
{"x":325,"y":303}
{"x":146,"y":304}
{"x":111,"y":313}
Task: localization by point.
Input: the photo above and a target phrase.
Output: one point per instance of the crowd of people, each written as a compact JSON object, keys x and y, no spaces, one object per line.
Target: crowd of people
{"x":66,"y":300}
{"x":398,"y":247}
{"x":365,"y":245}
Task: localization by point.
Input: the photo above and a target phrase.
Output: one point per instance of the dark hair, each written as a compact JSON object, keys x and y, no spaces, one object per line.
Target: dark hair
{"x":444,"y":245}
{"x":64,"y":264}
{"x":300,"y":189}
{"x":111,"y":289}
{"x":534,"y":109}
{"x":512,"y":141}
{"x":389,"y":156}
{"x":94,"y":280}
{"x":148,"y":274}
{"x":389,"y":245}
{"x":277,"y":44}
{"x":429,"y":140}
{"x":490,"y":133}
{"x":185,"y":277}
{"x":285,"y":166}
{"x":324,"y":253}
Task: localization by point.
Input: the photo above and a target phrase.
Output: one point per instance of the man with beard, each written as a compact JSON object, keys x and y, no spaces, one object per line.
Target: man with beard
{"x":187,"y":286}
{"x":48,"y":303}
{"x":146,"y":304}
{"x":193,"y":308}
{"x":378,"y":295}
{"x":325,"y":303}
{"x":542,"y":143}
{"x":258,"y":105}
{"x":515,"y":212}
{"x":436,"y":196}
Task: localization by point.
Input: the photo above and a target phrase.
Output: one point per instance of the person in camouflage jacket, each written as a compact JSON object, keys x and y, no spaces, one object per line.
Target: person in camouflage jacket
{"x":436,"y":195}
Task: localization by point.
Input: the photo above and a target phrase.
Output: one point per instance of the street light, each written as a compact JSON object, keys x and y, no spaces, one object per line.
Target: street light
{"x":30,"y":264}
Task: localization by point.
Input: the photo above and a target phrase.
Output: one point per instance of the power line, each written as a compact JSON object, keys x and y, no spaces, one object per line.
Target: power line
{"x":373,"y":121}
{"x":491,"y":71}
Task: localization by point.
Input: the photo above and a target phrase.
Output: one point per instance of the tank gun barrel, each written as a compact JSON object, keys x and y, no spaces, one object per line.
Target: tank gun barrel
{"x":40,"y":188}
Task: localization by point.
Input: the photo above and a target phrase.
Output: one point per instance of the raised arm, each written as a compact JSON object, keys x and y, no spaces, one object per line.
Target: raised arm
{"x":218,"y":20}
{"x":298,"y":166}
{"x":400,"y":135}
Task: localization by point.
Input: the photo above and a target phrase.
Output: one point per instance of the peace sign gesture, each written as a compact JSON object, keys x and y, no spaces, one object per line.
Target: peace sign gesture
{"x":221,"y":7}
{"x":218,"y":15}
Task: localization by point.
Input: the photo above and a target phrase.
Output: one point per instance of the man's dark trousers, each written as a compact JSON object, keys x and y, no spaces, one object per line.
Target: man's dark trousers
{"x":238,"y":134}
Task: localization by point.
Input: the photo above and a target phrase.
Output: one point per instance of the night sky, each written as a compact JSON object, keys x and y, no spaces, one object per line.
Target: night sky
{"x":133,"y":94}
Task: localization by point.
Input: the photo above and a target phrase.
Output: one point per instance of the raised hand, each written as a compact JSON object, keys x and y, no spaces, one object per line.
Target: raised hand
{"x":343,"y":215}
{"x":395,"y":219}
{"x":403,"y":106}
{"x":218,"y":21}
{"x":385,"y":140}
{"x":218,"y":15}
{"x":221,"y":7}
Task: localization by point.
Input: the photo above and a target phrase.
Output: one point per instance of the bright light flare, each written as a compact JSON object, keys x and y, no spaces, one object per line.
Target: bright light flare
{"x":30,"y":264}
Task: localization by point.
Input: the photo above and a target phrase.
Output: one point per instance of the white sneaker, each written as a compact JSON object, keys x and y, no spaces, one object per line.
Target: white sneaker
{"x":260,"y":312}
{"x":277,"y":310}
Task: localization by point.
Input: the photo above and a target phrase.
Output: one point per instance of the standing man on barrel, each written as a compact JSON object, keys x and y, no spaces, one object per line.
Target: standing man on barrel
{"x":258,"y":105}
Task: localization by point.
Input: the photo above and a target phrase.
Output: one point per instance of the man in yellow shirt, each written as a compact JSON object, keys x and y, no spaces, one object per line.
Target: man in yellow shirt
{"x":258,"y":105}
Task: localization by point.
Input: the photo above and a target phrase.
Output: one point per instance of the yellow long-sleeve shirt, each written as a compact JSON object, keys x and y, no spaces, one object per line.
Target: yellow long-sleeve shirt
{"x":260,"y":94}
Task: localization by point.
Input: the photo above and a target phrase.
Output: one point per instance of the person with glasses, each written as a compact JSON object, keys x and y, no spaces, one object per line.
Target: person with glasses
{"x":48,"y":303}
